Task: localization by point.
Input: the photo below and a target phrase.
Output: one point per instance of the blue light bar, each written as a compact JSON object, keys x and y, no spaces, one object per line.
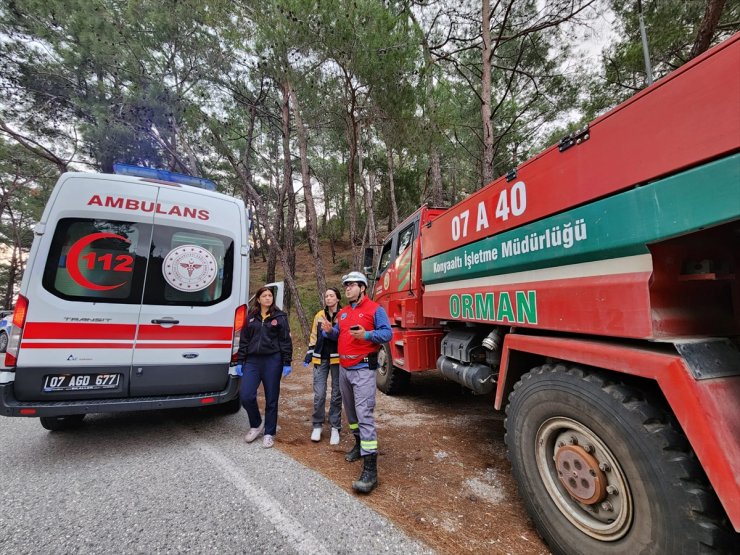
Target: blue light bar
{"x":164,"y":175}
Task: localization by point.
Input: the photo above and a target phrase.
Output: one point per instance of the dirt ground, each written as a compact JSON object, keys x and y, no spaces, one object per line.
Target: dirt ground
{"x":444,"y":476}
{"x":443,"y":473}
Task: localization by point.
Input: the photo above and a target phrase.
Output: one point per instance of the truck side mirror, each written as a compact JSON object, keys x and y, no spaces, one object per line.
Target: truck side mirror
{"x":368,"y":263}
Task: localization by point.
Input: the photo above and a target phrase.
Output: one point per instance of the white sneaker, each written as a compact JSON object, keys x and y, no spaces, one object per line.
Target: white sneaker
{"x":254,"y":433}
{"x":334,"y":437}
{"x":316,"y":434}
{"x":267,"y":441}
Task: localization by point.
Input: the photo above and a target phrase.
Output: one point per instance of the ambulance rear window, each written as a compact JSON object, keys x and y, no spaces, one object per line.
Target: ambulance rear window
{"x":188,"y":267}
{"x":133,"y":263}
{"x":97,"y":260}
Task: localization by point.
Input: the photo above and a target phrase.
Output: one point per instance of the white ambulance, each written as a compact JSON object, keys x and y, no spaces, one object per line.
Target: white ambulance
{"x":132,"y":299}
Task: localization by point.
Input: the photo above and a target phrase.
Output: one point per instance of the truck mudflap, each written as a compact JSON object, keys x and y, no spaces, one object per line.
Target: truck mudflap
{"x":10,"y":406}
{"x":708,"y":410}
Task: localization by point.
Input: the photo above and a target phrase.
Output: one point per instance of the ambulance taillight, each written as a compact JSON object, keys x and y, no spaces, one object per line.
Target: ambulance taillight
{"x":14,"y":341}
{"x":240,"y":315}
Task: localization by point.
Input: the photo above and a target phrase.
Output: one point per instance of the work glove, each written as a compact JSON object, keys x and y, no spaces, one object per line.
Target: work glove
{"x":239,"y":370}
{"x":287,"y":370}
{"x":307,"y":358}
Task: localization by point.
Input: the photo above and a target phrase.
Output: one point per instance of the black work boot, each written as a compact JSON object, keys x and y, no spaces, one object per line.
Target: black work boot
{"x":368,"y":480}
{"x":353,"y":454}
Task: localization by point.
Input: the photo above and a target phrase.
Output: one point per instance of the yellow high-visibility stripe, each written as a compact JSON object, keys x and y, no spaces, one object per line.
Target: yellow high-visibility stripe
{"x":369,"y":445}
{"x":354,"y":426}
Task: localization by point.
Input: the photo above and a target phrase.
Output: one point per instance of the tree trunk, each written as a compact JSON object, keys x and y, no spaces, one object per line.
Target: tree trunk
{"x":393,"y":219}
{"x":325,"y":216}
{"x":354,"y":235}
{"x":289,"y":222}
{"x":246,"y":162}
{"x":708,"y":27}
{"x":437,"y":196}
{"x":485,"y":93}
{"x":277,"y":225}
{"x":372,"y":230}
{"x":16,"y":259}
{"x":453,"y":193}
{"x":351,"y":127}
{"x":246,"y":158}
{"x":259,"y":235}
{"x":311,"y":219}
{"x":10,"y":286}
{"x":9,"y":193}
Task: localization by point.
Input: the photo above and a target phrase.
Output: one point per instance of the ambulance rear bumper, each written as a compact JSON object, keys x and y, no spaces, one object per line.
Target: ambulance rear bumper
{"x":10,"y":406}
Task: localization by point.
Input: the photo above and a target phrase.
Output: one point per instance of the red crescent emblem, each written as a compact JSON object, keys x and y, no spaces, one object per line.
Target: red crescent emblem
{"x":73,"y":261}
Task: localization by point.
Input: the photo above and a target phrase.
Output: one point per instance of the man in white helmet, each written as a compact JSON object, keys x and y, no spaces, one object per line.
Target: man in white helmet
{"x":361,"y":327}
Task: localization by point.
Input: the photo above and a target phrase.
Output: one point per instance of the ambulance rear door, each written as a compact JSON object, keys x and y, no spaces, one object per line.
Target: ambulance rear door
{"x":192,"y":290}
{"x":84,"y":289}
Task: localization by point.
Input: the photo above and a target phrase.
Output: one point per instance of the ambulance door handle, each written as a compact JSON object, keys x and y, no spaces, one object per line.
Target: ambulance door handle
{"x":165,"y":321}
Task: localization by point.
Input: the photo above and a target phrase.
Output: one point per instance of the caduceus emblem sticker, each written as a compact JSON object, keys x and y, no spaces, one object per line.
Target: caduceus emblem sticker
{"x":189,"y":268}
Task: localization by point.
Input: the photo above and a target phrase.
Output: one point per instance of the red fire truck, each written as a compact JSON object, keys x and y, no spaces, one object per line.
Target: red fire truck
{"x":594,"y":290}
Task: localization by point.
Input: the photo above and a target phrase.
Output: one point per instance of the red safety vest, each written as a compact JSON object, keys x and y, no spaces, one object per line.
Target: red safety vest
{"x":353,"y":351}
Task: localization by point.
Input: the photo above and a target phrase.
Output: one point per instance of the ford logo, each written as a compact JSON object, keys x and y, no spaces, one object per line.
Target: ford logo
{"x":190,"y":355}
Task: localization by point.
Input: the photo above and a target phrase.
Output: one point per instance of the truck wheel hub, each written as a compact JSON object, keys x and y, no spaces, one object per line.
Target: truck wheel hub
{"x":580,"y":474}
{"x":584,"y":478}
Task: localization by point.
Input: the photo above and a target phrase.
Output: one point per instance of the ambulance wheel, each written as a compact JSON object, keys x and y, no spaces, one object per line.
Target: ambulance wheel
{"x":3,"y":341}
{"x":390,"y":379}
{"x":57,"y":423}
{"x":604,"y":469}
{"x":231,"y":407}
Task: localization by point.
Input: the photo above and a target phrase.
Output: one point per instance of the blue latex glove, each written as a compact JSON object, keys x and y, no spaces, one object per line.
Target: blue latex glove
{"x":286,"y":370}
{"x":239,"y":370}
{"x":305,"y":364}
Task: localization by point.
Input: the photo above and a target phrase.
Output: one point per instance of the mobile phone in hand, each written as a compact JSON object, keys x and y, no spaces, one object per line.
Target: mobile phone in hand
{"x":355,"y":328}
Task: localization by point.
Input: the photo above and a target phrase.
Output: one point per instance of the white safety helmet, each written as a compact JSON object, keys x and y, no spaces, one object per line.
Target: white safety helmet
{"x":354,"y":277}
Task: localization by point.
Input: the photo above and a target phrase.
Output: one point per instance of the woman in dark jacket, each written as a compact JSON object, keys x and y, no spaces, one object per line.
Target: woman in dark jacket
{"x":265,"y":351}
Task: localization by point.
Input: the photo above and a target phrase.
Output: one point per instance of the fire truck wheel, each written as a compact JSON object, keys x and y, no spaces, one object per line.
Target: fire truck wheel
{"x":57,"y":423}
{"x":604,"y":468}
{"x":390,"y":379}
{"x":3,"y":341}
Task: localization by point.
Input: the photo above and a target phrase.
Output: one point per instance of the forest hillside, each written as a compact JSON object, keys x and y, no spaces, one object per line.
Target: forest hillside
{"x":336,"y":266}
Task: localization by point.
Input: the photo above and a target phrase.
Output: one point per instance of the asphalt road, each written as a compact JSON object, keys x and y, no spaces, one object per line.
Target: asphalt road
{"x":172,"y":482}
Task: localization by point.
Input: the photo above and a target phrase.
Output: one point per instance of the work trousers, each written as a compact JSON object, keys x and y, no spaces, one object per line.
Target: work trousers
{"x":358,"y":396}
{"x":268,"y":370}
{"x":320,"y":378}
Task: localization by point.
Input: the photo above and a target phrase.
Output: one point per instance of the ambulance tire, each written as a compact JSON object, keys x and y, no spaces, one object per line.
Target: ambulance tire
{"x":657,"y":499}
{"x":58,"y":423}
{"x":231,"y":407}
{"x":390,"y":379}
{"x":3,"y":341}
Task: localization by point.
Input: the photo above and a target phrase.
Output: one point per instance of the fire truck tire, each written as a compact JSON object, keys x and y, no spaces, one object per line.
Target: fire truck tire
{"x":3,"y":341}
{"x":604,"y":468}
{"x":390,"y":379}
{"x":58,"y":423}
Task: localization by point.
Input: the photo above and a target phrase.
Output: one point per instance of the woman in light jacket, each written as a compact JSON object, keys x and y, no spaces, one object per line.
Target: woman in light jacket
{"x":322,"y":354}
